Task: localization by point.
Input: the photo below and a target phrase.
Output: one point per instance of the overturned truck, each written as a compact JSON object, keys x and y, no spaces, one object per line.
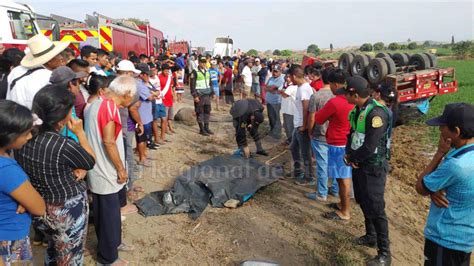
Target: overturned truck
{"x":417,"y":78}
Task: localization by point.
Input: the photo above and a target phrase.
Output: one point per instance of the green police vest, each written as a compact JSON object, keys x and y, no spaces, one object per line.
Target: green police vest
{"x":202,"y":83}
{"x":358,"y":126}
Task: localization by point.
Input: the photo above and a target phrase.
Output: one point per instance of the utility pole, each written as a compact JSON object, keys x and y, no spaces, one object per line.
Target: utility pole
{"x":227,"y":47}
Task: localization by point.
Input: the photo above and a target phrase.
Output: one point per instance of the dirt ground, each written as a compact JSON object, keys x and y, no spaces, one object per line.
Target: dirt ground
{"x":279,"y":224}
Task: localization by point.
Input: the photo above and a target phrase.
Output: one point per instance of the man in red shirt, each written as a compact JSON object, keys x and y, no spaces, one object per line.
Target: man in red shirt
{"x":336,"y":111}
{"x":167,"y":87}
{"x":227,"y":81}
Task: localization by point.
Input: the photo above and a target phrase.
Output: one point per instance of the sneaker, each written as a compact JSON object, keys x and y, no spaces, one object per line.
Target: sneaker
{"x":315,"y":196}
{"x":304,"y":182}
{"x":382,"y":259}
{"x":125,"y":247}
{"x":38,"y":239}
{"x":368,"y":241}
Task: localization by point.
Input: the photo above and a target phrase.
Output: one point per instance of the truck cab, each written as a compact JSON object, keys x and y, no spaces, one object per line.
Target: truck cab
{"x":18,"y":23}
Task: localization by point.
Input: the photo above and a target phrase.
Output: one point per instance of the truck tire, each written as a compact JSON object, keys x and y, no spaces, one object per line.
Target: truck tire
{"x":359,"y":65}
{"x":400,"y":59}
{"x":392,"y":68}
{"x":377,"y":71}
{"x":433,"y":59}
{"x":420,"y":61}
{"x":345,"y":61}
{"x":382,"y":55}
{"x":353,"y":54}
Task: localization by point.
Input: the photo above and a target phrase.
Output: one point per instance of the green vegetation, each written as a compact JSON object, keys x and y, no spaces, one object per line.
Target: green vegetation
{"x":463,"y":49}
{"x":313,"y":49}
{"x":379,"y":46}
{"x":252,"y":52}
{"x":277,"y":52}
{"x":286,"y":52}
{"x":366,"y":47}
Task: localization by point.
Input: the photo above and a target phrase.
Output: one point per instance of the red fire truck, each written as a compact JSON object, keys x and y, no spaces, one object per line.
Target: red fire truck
{"x":179,"y":47}
{"x":117,"y":35}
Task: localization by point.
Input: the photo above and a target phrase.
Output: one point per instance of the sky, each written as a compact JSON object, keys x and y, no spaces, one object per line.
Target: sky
{"x":285,"y":24}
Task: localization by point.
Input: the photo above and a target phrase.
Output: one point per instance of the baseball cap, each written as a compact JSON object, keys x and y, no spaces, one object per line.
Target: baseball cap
{"x":213,"y":62}
{"x":144,"y":68}
{"x":65,"y":74}
{"x":277,"y":68}
{"x":355,"y":84}
{"x":387,"y":91}
{"x":455,"y":115}
{"x":257,"y":59}
{"x":127,"y":65}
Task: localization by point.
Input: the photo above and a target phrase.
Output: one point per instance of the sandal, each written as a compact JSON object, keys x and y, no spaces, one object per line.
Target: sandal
{"x":334,"y":216}
{"x":120,"y":262}
{"x":334,"y":206}
{"x":126,"y":248}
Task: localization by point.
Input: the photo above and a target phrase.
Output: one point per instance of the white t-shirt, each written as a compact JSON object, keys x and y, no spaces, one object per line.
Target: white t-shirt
{"x":26,"y":88}
{"x":288,"y":104}
{"x":303,"y":93}
{"x":156,"y":83}
{"x":247,"y":76}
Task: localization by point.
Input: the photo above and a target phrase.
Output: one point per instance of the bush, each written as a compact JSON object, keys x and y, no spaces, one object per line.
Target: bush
{"x":313,"y":49}
{"x":463,"y":49}
{"x":394,"y":46}
{"x":403,"y":47}
{"x":286,"y":52}
{"x":252,"y":52}
{"x":426,"y":44}
{"x":366,"y":47}
{"x":277,"y":52}
{"x":412,"y":46}
{"x":378,"y":46}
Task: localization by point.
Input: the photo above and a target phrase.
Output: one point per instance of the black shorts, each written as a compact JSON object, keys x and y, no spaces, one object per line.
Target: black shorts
{"x":438,"y":255}
{"x":146,"y":135}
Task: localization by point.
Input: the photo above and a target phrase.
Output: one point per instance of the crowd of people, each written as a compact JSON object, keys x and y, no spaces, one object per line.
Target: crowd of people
{"x":68,"y":125}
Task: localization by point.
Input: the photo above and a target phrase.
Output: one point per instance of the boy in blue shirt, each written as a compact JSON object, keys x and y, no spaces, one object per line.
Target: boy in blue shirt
{"x":449,"y":180}
{"x":215,"y":74}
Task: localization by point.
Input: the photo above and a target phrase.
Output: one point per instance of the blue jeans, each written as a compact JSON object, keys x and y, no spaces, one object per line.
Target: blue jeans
{"x":320,"y":150}
{"x":300,"y":148}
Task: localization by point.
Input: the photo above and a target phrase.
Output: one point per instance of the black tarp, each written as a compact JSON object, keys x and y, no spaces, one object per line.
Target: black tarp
{"x":214,"y":181}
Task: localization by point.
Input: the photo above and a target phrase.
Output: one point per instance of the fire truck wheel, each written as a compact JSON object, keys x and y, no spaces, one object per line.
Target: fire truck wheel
{"x":392,"y":68}
{"x":433,"y":59}
{"x":382,"y":55}
{"x":359,"y":65}
{"x":400,"y":59}
{"x":345,"y":61}
{"x":377,"y":71}
{"x":420,"y":61}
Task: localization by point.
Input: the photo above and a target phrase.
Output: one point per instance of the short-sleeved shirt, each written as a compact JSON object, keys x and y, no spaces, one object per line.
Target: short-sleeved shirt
{"x":228,"y":76}
{"x":288,"y":104}
{"x":214,"y":73}
{"x":453,"y":227}
{"x":247,"y":76}
{"x":303,"y":93}
{"x":103,"y":177}
{"x":145,"y":109}
{"x":262,"y":75}
{"x":316,"y":103}
{"x":255,"y":70}
{"x":167,"y":95}
{"x":13,"y":226}
{"x":49,"y":159}
{"x":275,"y":97}
{"x":26,"y":88}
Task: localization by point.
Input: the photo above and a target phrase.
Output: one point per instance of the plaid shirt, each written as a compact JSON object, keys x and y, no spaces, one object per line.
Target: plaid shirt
{"x":49,"y":160}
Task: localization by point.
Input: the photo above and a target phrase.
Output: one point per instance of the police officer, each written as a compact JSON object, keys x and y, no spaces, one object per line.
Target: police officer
{"x":202,"y":91}
{"x":367,"y":153}
{"x":247,"y":115}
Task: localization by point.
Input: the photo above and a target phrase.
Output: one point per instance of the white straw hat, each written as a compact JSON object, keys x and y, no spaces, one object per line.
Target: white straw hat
{"x":42,"y":50}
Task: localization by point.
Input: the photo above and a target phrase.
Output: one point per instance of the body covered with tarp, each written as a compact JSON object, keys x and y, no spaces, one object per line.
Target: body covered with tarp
{"x":215,"y":181}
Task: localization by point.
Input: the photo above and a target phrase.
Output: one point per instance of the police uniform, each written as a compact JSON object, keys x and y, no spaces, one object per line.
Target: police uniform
{"x":247,"y":115}
{"x":201,"y":87}
{"x":368,"y":148}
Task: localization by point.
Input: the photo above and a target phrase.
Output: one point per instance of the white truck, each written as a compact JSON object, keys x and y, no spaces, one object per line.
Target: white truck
{"x":223,"y":46}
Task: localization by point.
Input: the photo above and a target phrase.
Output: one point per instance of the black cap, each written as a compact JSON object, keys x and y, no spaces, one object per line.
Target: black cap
{"x":202,"y":60}
{"x":387,"y":91}
{"x":455,"y":115}
{"x":277,"y":67}
{"x":144,"y":68}
{"x":64,"y":74}
{"x":355,"y":84}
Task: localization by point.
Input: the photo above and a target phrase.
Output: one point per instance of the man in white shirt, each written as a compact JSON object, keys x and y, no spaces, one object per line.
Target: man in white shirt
{"x":35,"y":69}
{"x":301,"y":145}
{"x":247,"y":78}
